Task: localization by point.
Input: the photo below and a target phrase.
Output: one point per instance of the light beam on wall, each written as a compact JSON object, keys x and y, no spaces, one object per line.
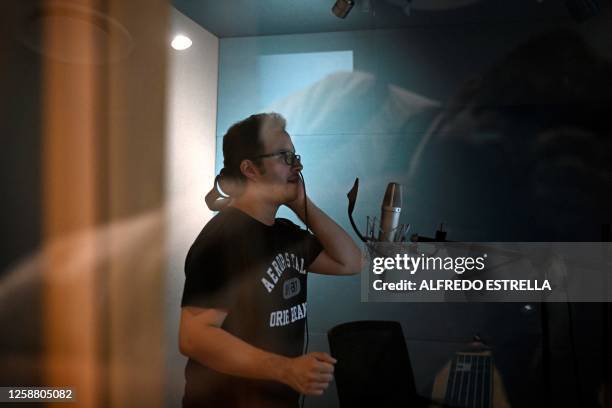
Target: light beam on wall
{"x":282,"y":75}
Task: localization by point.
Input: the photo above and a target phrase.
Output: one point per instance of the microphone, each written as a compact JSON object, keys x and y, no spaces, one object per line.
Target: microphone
{"x":390,"y":212}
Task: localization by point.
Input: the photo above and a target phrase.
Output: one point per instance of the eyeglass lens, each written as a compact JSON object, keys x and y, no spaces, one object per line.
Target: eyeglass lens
{"x":291,"y":158}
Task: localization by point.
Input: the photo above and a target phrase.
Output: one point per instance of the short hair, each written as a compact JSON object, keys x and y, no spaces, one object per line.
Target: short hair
{"x":243,"y":141}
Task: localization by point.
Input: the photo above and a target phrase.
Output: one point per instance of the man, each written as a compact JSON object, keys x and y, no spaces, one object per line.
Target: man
{"x":244,"y":302}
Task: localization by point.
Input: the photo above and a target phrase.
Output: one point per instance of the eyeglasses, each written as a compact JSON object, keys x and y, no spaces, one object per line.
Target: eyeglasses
{"x":289,"y":157}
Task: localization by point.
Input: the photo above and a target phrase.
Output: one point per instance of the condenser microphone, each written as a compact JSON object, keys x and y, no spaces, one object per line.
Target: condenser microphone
{"x":390,"y":212}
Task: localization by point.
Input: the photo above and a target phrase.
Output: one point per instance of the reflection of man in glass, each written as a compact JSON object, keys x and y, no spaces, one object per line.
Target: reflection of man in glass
{"x":244,"y":302}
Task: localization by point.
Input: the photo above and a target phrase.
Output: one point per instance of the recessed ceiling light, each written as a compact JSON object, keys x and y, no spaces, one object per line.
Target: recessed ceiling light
{"x":181,"y":42}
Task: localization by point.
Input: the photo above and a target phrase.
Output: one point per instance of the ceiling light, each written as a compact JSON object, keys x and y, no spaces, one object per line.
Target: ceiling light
{"x":181,"y":42}
{"x":342,"y":8}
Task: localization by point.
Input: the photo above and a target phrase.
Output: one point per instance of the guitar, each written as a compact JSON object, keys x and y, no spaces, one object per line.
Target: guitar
{"x":470,"y":380}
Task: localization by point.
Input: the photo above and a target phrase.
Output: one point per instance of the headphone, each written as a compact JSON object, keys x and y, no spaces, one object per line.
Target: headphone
{"x":215,"y":199}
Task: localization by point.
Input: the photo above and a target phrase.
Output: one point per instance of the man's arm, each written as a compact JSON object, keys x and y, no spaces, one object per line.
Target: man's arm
{"x":202,"y":339}
{"x":340,"y":255}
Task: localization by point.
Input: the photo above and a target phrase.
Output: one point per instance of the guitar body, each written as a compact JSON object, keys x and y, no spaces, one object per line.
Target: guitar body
{"x":470,"y":380}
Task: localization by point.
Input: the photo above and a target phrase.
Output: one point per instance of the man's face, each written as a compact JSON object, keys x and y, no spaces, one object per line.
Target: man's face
{"x":278,"y":181}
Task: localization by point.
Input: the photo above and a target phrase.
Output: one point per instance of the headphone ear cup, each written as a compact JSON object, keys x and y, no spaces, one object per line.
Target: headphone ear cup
{"x":218,"y":187}
{"x":215,"y":199}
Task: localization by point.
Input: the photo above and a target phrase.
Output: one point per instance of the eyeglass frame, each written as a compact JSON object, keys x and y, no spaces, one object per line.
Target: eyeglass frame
{"x":286,"y":155}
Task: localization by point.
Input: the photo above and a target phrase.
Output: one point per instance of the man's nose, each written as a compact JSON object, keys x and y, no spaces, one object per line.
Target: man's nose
{"x":297,"y":166}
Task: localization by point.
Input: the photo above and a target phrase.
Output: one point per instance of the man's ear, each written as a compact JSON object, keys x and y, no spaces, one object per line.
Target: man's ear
{"x":249,"y":170}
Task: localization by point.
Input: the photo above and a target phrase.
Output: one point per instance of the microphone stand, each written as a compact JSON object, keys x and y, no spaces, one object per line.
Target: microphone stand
{"x":352,"y":199}
{"x":545,"y":353}
{"x":605,"y":237}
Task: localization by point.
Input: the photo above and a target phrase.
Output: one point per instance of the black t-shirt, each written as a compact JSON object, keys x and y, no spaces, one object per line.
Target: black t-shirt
{"x":258,"y":274}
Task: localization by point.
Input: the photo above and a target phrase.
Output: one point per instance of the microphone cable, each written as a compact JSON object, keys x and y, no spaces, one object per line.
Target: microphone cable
{"x":303,"y":397}
{"x":307,"y":230}
{"x":305,"y":202}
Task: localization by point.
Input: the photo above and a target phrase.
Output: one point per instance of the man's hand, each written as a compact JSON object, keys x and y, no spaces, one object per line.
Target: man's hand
{"x":311,"y":373}
{"x":340,"y":255}
{"x":201,"y":338}
{"x":297,"y":204}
